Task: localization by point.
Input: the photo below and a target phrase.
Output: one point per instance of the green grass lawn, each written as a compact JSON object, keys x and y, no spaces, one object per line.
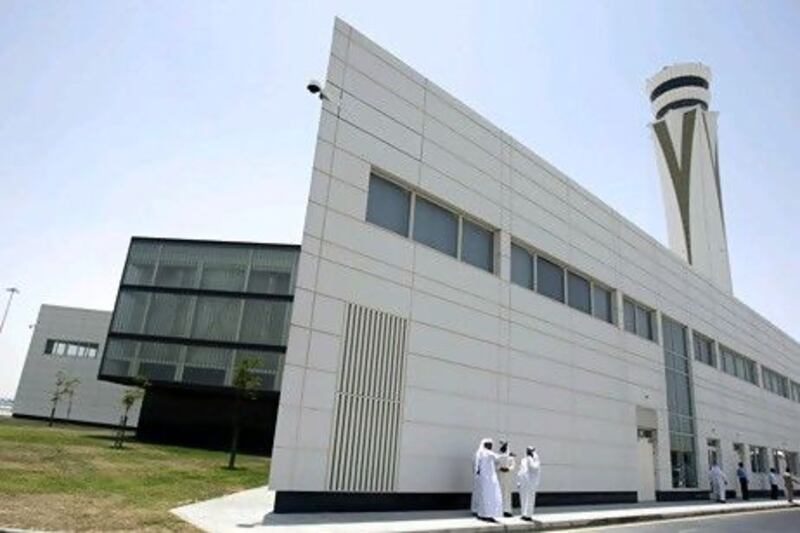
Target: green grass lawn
{"x":70,"y":478}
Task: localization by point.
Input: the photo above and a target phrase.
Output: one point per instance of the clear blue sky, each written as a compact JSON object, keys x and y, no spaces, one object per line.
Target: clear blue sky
{"x":190,"y":119}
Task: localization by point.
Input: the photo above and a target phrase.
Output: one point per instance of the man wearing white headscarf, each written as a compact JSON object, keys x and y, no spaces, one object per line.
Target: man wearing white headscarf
{"x":718,"y":481}
{"x":487,"y":502}
{"x":475,"y":486}
{"x":528,"y":478}
{"x":506,"y":464}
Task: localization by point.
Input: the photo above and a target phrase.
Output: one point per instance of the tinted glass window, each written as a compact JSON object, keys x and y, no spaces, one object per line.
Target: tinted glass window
{"x":176,"y":275}
{"x":216,"y":318}
{"x":141,"y":264}
{"x":168,"y":315}
{"x":265,"y":322}
{"x":477,"y":246}
{"x":601,"y":306}
{"x":436,"y":227}
{"x":157,"y":371}
{"x":629,"y":311}
{"x":388,"y":205}
{"x":643,"y":323}
{"x":704,"y":350}
{"x":223,"y":277}
{"x":521,"y":267}
{"x":549,"y":279}
{"x":579,"y":292}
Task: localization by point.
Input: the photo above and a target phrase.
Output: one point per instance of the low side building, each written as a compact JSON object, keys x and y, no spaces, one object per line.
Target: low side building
{"x":186,"y":313}
{"x":69,"y":340}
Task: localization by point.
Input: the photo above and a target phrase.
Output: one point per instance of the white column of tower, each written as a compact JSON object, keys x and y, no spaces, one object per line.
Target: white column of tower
{"x":685,"y":137}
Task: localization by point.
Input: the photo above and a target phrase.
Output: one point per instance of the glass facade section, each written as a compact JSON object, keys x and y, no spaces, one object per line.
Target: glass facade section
{"x":521,"y":267}
{"x":680,"y":405}
{"x":704,"y":349}
{"x":194,"y":308}
{"x":435,"y":226}
{"x":579,"y":292}
{"x":549,"y":279}
{"x":477,"y":246}
{"x":388,"y":205}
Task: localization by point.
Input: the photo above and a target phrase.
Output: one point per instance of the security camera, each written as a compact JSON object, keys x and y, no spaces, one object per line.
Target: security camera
{"x":314,"y":87}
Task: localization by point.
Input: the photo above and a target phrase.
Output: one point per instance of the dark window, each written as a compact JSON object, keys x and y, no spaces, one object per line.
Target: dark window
{"x":388,"y":205}
{"x":675,"y":83}
{"x":265,"y":322}
{"x":680,"y":104}
{"x":168,"y":315}
{"x":223,"y":277}
{"x":70,"y":348}
{"x":216,"y":318}
{"x":704,"y":350}
{"x":435,"y":226}
{"x":269,"y":282}
{"x":477,"y":246}
{"x":176,"y":275}
{"x":579,"y":293}
{"x":629,"y":310}
{"x":203,"y":376}
{"x":644,"y":323}
{"x":521,"y":267}
{"x":601,"y":306}
{"x":141,"y":263}
{"x":157,"y":371}
{"x":638,"y":319}
{"x":738,"y":365}
{"x":549,"y":279}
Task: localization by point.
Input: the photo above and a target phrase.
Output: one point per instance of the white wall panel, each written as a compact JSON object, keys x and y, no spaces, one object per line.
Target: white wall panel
{"x":487,"y":358}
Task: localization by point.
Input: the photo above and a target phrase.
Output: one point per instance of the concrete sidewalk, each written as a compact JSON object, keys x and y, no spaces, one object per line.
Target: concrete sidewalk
{"x":251,"y":511}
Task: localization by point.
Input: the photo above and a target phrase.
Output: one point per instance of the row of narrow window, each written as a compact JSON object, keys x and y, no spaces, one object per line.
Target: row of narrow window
{"x":411,"y":215}
{"x":71,"y":348}
{"x":540,"y":274}
{"x":744,"y":368}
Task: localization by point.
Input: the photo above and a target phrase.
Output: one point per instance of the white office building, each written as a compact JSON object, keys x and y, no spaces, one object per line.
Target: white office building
{"x":70,"y":341}
{"x":454,"y":285}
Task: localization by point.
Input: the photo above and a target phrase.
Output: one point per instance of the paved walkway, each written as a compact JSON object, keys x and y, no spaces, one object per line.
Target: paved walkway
{"x":251,"y":511}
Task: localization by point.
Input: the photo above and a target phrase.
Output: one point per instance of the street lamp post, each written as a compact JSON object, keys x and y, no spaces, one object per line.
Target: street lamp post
{"x":11,"y":292}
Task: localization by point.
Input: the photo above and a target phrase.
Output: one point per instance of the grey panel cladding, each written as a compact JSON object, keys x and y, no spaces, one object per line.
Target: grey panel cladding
{"x":368,"y":402}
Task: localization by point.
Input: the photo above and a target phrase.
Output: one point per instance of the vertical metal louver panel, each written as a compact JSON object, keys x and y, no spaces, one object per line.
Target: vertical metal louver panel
{"x":368,"y":402}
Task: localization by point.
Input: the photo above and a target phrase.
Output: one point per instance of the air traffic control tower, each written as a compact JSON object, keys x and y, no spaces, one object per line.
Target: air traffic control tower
{"x":685,"y":137}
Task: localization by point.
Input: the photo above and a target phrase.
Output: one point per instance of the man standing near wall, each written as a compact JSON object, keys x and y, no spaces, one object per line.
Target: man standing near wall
{"x":505,"y":473}
{"x":741,"y":473}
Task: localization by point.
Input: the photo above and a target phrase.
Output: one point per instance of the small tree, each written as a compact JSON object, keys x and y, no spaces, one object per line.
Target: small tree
{"x":63,"y":386}
{"x":245,"y":384}
{"x":128,"y":399}
{"x":69,"y":392}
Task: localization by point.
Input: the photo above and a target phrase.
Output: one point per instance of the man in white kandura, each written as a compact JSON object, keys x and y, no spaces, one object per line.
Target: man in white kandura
{"x":487,"y":500}
{"x":718,"y":481}
{"x":506,"y":464}
{"x":528,"y":478}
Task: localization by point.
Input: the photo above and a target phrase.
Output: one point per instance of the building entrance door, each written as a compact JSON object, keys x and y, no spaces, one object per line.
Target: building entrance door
{"x":647,"y":467}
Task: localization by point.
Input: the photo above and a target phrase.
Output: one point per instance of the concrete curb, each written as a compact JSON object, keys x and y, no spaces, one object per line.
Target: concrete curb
{"x":661,"y":514}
